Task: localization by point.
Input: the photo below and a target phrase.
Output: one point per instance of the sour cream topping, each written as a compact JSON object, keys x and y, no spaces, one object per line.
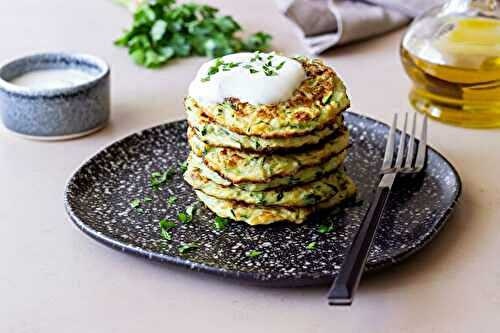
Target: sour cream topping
{"x":256,"y":78}
{"x":52,"y":78}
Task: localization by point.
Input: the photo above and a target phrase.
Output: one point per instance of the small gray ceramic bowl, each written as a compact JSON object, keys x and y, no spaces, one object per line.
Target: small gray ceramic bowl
{"x":55,"y":113}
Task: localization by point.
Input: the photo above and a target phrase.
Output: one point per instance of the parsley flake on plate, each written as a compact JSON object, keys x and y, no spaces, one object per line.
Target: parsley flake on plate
{"x":135,"y":203}
{"x":184,"y":218}
{"x":311,"y":246}
{"x":165,"y":234}
{"x":220,"y":223}
{"x":165,"y":226}
{"x":253,"y":253}
{"x":191,"y":209}
{"x":187,"y":216}
{"x":171,"y":199}
{"x":325,"y":228}
{"x":157,"y":179}
{"x":187,"y":247}
{"x":183,"y":166}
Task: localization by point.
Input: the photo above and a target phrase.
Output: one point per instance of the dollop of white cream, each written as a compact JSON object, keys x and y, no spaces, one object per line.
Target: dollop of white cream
{"x":246,"y":85}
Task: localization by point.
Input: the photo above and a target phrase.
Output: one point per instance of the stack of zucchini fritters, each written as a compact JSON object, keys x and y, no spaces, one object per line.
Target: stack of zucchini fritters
{"x":266,"y":163}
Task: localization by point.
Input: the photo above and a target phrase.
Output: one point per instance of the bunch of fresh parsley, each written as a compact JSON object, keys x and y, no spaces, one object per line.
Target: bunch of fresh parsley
{"x":163,"y":30}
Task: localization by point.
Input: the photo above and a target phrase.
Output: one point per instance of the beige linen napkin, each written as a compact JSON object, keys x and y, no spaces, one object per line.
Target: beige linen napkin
{"x":326,"y":23}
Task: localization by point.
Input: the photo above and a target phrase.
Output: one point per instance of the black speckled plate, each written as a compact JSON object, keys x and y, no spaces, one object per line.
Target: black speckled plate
{"x":97,"y":199}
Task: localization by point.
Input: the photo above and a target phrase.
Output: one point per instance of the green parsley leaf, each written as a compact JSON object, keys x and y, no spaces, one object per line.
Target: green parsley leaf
{"x":281,"y":64}
{"x":191,"y":209}
{"x":157,"y":179}
{"x":163,"y":30}
{"x":166,"y":224}
{"x":184,"y":218}
{"x":253,"y":253}
{"x":220,"y":222}
{"x":147,"y":199}
{"x":165,"y":234}
{"x":183,"y":166}
{"x":138,"y":56}
{"x":171,"y":199}
{"x":135,"y":203}
{"x":324,"y":228}
{"x":311,"y":246}
{"x":187,"y":247}
{"x":158,"y":30}
{"x":256,"y":56}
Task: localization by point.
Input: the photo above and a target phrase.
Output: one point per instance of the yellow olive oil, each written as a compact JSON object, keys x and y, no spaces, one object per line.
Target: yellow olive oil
{"x":456,"y":74}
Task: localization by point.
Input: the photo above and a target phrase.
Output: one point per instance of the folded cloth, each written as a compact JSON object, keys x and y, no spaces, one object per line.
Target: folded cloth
{"x":326,"y":23}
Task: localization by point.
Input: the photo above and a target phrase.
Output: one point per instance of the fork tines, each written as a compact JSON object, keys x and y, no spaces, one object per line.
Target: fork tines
{"x":411,"y":163}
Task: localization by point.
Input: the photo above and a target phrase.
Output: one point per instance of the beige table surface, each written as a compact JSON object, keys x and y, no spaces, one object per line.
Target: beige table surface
{"x":55,"y":279}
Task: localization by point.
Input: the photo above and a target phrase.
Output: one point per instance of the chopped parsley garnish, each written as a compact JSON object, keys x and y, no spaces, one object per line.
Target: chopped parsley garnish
{"x":325,"y":228}
{"x":191,"y":209}
{"x":147,"y":199}
{"x":253,"y":253}
{"x":184,"y":218}
{"x":165,"y":234}
{"x":280,"y":65}
{"x":171,"y":199}
{"x":268,"y":67}
{"x":157,"y":178}
{"x":220,"y":222}
{"x":135,"y":203}
{"x":256,"y":56}
{"x":165,"y":226}
{"x":311,"y":246}
{"x":183,"y":166}
{"x":184,"y":248}
{"x":251,"y":69}
{"x":187,"y":217}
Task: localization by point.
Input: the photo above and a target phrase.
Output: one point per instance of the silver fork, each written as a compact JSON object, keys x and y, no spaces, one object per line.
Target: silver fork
{"x":347,"y":281}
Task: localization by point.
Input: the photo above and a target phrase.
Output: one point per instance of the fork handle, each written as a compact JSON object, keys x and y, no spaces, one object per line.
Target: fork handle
{"x":348,"y":278}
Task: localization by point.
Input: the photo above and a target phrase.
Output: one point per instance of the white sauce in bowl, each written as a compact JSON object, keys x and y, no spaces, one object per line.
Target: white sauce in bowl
{"x":52,"y":78}
{"x":256,"y":78}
